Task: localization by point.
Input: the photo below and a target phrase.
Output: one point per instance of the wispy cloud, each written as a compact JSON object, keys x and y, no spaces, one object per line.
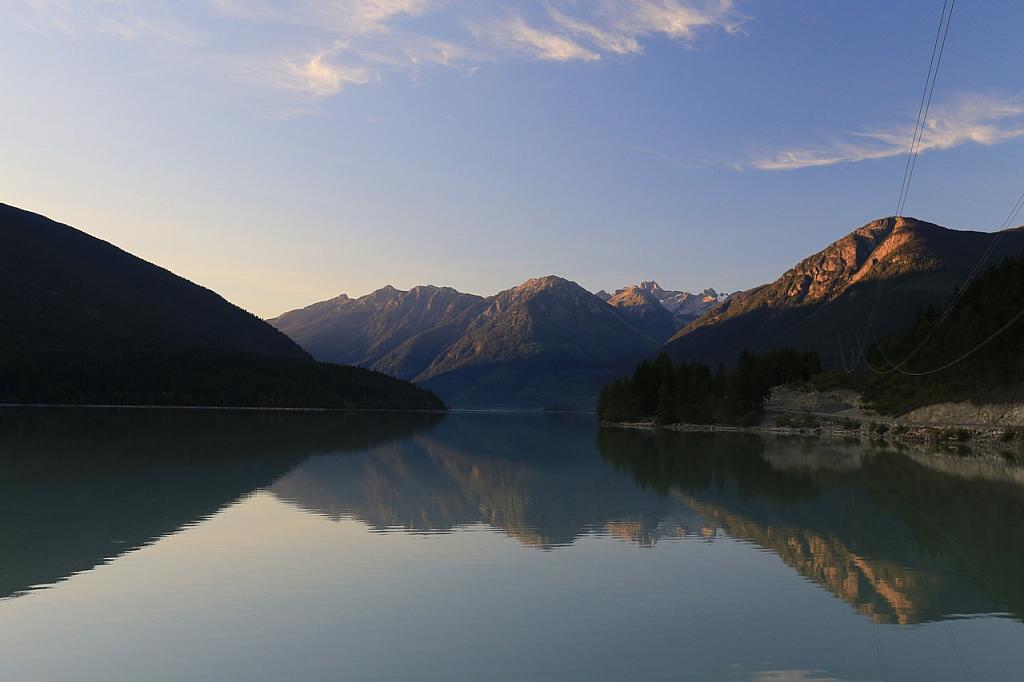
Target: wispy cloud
{"x":318,"y":48}
{"x":320,"y":76}
{"x":515,"y":35}
{"x":121,"y":19}
{"x":971,"y":118}
{"x":607,"y":40}
{"x":341,"y":17}
{"x":672,"y":18}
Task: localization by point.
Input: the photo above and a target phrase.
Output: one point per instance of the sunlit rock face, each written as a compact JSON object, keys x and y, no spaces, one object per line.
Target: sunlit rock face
{"x":886,"y":271}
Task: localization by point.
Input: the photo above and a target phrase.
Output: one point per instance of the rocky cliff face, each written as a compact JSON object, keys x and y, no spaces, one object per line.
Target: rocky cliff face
{"x":829,"y":296}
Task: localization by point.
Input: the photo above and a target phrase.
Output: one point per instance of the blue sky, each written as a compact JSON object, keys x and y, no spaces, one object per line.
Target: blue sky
{"x":284,"y":152}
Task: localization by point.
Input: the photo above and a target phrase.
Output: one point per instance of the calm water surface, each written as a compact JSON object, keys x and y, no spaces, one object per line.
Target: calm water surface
{"x":240,"y":546}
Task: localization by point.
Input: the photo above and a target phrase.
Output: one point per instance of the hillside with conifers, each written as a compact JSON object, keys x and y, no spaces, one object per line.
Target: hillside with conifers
{"x":668,"y":393}
{"x":976,"y":354}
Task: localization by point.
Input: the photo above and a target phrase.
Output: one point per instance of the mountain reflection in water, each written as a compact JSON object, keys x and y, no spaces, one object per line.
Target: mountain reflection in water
{"x":902,"y":538}
{"x":80,"y":487}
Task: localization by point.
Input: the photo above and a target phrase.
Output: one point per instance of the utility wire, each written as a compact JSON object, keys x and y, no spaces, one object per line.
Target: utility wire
{"x":938,"y":47}
{"x":922,"y":109}
{"x":916,"y":148}
{"x":992,"y":337}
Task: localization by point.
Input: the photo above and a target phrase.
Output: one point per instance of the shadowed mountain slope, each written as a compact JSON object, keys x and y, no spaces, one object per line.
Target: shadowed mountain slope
{"x":546,"y":341}
{"x":63,"y":288}
{"x":82,"y":321}
{"x":826,"y":300}
{"x":376,"y":330}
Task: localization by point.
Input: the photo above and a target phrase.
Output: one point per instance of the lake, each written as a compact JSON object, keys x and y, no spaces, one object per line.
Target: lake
{"x":193,"y":545}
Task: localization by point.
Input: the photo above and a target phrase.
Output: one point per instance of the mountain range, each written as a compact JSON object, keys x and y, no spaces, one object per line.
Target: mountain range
{"x":547,"y":341}
{"x":550,"y":342}
{"x":82,"y":321}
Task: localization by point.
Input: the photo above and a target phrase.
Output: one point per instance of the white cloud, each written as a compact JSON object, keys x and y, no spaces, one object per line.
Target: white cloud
{"x":981,"y":119}
{"x":673,"y":18}
{"x":516,"y":35}
{"x":606,"y":40}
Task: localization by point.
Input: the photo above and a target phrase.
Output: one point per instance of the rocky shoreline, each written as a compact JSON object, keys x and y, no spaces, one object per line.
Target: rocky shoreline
{"x":961,"y":440}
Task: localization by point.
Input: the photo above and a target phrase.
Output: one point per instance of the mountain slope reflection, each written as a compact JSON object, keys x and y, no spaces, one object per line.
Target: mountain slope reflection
{"x":902,"y":539}
{"x":80,"y":487}
{"x":536,"y":478}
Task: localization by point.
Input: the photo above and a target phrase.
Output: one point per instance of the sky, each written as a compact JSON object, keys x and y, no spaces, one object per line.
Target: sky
{"x":283,"y":152}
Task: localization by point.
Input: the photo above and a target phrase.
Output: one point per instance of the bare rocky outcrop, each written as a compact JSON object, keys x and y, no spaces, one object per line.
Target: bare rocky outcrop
{"x":963,"y":413}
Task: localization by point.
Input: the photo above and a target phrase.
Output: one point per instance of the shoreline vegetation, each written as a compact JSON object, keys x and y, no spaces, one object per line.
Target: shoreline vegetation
{"x":777,"y":394}
{"x":688,"y":393}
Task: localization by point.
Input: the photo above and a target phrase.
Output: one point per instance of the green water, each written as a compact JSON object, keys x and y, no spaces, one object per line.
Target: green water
{"x":164,"y":545}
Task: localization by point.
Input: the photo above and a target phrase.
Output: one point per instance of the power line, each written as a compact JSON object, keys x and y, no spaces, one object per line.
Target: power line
{"x":922,"y":108}
{"x":938,"y":47}
{"x":969,"y":353}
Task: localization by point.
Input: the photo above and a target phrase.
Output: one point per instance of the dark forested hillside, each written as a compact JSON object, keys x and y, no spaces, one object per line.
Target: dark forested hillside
{"x":956,"y":363}
{"x":82,"y":321}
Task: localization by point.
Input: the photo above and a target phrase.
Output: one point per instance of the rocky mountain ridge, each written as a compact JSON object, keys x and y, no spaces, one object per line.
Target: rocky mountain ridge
{"x":825,"y":301}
